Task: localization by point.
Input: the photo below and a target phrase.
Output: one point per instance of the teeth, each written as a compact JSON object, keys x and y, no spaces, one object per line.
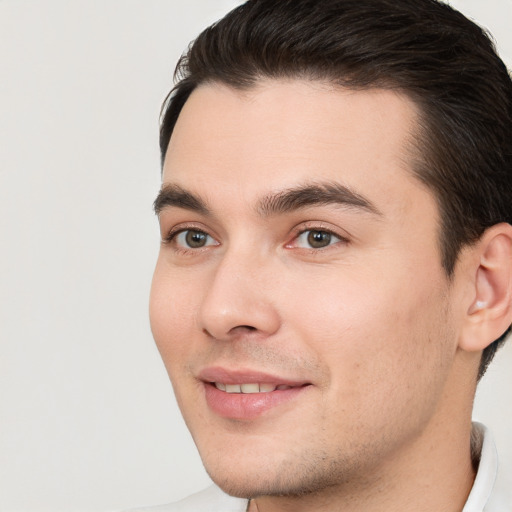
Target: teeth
{"x":250,"y":387}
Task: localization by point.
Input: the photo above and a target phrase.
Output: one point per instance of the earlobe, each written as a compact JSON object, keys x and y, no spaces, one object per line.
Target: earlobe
{"x":490,"y":312}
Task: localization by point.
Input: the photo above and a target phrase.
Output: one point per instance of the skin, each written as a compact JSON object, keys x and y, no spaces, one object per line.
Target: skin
{"x":370,"y":321}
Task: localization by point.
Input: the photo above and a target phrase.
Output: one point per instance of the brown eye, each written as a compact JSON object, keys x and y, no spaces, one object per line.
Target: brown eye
{"x":319,"y":239}
{"x":194,"y":239}
{"x":316,"y":239}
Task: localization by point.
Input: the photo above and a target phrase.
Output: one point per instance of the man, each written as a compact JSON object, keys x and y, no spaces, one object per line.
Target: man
{"x":335,"y":272}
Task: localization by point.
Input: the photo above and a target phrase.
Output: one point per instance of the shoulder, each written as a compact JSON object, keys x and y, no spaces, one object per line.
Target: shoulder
{"x":211,"y":499}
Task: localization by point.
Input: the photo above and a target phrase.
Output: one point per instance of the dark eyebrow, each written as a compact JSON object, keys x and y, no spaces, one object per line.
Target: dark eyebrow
{"x":174,"y":195}
{"x":314,"y":195}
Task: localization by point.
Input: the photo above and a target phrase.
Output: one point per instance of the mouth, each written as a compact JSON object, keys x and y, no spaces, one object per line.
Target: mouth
{"x":247,"y":395}
{"x":252,"y":388}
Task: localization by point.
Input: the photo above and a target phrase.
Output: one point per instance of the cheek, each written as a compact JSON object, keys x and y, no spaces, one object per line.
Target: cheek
{"x":170,"y":310}
{"x":368,"y":327}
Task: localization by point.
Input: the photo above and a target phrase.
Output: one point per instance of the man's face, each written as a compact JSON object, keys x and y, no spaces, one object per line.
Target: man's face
{"x":300,"y":272}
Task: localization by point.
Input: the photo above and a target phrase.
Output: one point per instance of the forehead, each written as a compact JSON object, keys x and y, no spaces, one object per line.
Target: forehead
{"x":229,"y":143}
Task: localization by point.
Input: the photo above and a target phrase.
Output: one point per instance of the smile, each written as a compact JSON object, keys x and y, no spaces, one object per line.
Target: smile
{"x":247,"y":394}
{"x":250,"y":388}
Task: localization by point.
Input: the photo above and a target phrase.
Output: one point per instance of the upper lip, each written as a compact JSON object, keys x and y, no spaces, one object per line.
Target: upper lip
{"x":246,"y":376}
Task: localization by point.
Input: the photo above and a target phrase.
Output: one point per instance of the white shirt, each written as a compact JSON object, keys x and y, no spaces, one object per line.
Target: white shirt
{"x":491,"y":492}
{"x":492,"y":489}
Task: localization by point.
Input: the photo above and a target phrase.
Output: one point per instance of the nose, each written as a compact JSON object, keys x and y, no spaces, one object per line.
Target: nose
{"x":239,"y":299}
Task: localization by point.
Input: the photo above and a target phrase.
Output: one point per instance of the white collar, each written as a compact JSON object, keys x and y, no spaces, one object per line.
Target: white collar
{"x":483,"y":443}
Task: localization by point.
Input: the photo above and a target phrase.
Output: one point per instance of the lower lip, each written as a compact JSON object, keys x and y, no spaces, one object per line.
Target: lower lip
{"x":247,"y":406}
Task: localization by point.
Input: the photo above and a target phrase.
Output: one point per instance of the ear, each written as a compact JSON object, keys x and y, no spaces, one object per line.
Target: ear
{"x":490,"y":312}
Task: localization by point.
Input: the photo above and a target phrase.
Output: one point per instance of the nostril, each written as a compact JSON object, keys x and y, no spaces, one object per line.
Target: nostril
{"x":233,"y":331}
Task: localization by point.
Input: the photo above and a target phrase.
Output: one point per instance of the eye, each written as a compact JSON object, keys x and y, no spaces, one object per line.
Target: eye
{"x":194,"y":239}
{"x":316,"y":239}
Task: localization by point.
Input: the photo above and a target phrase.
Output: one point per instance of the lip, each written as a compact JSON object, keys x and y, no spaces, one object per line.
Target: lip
{"x":240,"y":406}
{"x":243,"y":376}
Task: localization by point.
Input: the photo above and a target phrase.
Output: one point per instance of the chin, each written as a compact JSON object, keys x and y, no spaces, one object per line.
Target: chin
{"x":277,"y":478}
{"x":242,"y":478}
{"x":250,"y":486}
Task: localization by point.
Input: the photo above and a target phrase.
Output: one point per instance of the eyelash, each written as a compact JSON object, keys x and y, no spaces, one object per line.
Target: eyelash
{"x":319,"y":228}
{"x":174,"y":233}
{"x":171,"y":238}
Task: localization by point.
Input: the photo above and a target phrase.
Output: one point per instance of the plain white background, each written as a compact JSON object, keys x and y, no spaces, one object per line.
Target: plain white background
{"x":87,"y":417}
